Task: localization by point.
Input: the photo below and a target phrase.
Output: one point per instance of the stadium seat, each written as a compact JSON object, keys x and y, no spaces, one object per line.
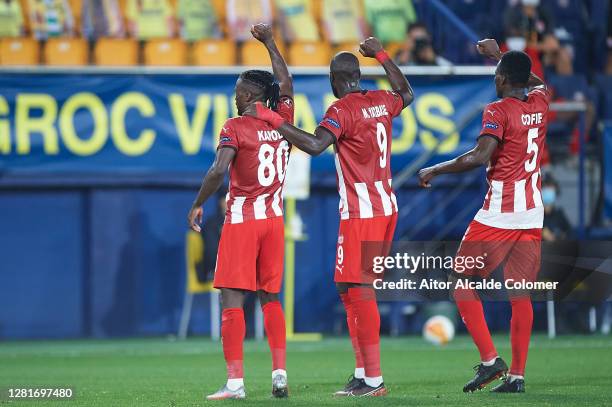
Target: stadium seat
{"x":213,"y":52}
{"x":354,"y":48}
{"x":254,"y":53}
{"x":310,"y":54}
{"x":116,"y":52}
{"x":165,"y":52}
{"x":66,"y":51}
{"x":19,"y":51}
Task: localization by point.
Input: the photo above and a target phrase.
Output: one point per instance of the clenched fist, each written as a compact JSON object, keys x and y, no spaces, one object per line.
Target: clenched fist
{"x":370,"y":47}
{"x":262,"y":32}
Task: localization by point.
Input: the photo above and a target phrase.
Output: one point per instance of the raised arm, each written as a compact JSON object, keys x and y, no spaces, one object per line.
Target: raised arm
{"x":489,"y":48}
{"x":263,"y":32}
{"x":476,"y":157}
{"x":211,"y":183}
{"x":372,"y":48}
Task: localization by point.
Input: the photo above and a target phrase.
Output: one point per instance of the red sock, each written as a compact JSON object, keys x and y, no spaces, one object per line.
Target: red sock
{"x":363,"y":301}
{"x":520,"y":333}
{"x":233,"y":330}
{"x":351,"y":321}
{"x":472,"y":314}
{"x":274,"y":323}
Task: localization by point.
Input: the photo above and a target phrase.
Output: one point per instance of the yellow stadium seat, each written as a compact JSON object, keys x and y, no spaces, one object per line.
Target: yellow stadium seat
{"x":66,"y":51}
{"x":254,"y":53}
{"x":19,"y":51}
{"x":116,"y":52}
{"x":213,"y":52}
{"x":166,"y":52}
{"x":310,"y":54}
{"x":354,"y":48}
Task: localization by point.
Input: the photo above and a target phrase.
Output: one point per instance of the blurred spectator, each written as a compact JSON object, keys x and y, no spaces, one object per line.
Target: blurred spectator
{"x":556,"y":225}
{"x":418,"y":49}
{"x":297,"y":20}
{"x":389,"y":19}
{"x":343,"y":21}
{"x":150,"y":19}
{"x":102,"y":18}
{"x":242,"y":14}
{"x":197,"y":20}
{"x":532,"y":18}
{"x":516,"y":40}
{"x":11,"y":19}
{"x":557,"y":57}
{"x":50,"y":18}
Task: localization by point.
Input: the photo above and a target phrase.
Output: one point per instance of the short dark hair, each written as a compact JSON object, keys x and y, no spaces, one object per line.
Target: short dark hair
{"x":516,"y":66}
{"x":264,"y":81}
{"x":346,"y":65}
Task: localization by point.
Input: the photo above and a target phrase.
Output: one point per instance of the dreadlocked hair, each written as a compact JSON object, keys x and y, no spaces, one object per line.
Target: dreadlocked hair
{"x":264,"y":80}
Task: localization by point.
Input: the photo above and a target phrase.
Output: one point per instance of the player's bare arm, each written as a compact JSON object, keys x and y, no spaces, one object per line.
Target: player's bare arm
{"x":263,"y":33}
{"x":489,"y":48}
{"x":370,"y":48}
{"x":211,"y":183}
{"x":476,"y":157}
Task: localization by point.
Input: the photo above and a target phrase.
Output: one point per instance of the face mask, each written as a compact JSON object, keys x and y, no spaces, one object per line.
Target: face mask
{"x":549,"y":195}
{"x":516,"y":43}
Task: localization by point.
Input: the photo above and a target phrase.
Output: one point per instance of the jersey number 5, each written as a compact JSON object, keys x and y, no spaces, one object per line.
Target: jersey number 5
{"x":532,"y":148}
{"x":267,"y":169}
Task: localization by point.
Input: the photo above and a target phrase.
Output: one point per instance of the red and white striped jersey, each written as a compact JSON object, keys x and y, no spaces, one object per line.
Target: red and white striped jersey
{"x":361,"y":122}
{"x":514,"y":200}
{"x":257,"y":173}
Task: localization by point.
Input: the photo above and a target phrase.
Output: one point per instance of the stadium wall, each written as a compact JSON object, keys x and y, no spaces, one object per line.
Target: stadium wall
{"x":93,"y":219}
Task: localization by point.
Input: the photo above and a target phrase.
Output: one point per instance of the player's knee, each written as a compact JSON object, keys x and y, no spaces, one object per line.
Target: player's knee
{"x":231,"y":298}
{"x":266,"y":297}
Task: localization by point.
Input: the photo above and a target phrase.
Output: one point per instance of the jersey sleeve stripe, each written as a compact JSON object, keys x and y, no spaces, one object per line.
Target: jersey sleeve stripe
{"x":365,"y":206}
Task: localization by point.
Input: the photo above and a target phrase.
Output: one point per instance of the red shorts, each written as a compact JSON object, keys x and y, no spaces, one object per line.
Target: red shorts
{"x":251,"y":255}
{"x":519,"y":248}
{"x":359,"y":240}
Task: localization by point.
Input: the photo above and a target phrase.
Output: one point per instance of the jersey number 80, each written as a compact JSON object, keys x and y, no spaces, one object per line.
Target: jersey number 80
{"x":268,"y":168}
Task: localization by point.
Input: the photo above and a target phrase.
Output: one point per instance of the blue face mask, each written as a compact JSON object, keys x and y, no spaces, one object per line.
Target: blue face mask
{"x":549,"y":195}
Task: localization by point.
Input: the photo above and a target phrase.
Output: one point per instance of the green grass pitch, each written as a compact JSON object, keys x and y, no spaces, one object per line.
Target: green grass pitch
{"x":570,"y":371}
